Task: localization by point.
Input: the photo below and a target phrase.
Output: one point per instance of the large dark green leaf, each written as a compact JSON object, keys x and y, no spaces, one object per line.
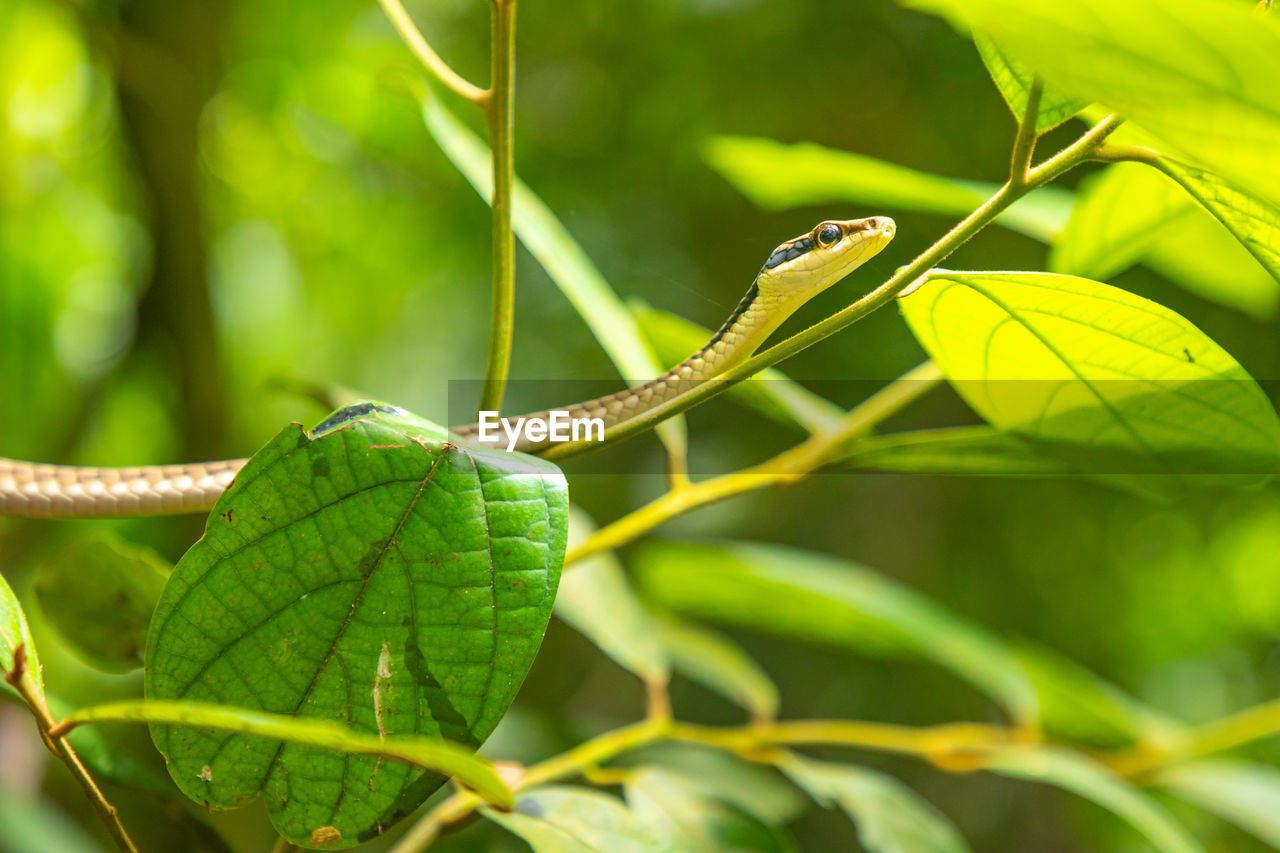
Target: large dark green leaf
{"x":370,"y":573}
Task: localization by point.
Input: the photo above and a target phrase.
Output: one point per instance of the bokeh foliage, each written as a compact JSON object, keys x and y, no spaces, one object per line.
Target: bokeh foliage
{"x":269,"y":161}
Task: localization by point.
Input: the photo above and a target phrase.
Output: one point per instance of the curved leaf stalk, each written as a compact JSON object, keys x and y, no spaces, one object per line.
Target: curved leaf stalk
{"x":57,"y":744}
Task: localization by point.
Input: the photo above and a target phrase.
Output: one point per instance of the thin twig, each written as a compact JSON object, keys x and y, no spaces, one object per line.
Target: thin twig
{"x":500,"y":113}
{"x":1024,"y":144}
{"x":426,"y":54}
{"x":787,"y":467}
{"x":19,"y":678}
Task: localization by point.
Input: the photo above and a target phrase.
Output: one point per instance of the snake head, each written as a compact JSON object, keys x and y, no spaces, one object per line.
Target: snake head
{"x":810,"y":263}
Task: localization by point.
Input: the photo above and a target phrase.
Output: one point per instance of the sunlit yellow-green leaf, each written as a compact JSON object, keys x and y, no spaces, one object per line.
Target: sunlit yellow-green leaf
{"x":1202,"y":257}
{"x":1120,"y":214}
{"x":1117,"y":380}
{"x":1199,"y":74}
{"x":1082,"y":776}
{"x":817,"y":598}
{"x":776,"y":175}
{"x":1014,"y":80}
{"x":980,"y":451}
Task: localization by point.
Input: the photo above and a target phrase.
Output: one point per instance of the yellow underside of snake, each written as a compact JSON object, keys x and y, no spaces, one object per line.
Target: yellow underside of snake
{"x":795,"y":272}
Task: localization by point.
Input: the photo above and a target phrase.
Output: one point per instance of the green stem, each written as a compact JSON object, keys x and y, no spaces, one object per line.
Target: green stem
{"x":1024,"y":144}
{"x":429,"y":58}
{"x":500,"y":112}
{"x":786,"y":467}
{"x":1070,"y":157}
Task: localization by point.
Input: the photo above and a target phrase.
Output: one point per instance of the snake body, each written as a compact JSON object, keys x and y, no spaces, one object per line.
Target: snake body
{"x":795,"y":271}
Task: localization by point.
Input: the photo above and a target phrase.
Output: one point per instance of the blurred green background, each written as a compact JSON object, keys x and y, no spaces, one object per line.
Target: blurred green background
{"x":208,"y":205}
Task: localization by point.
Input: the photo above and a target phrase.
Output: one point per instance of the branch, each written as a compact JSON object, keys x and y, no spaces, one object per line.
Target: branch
{"x":437,"y":66}
{"x":26,"y":687}
{"x":500,"y":112}
{"x":1070,"y":157}
{"x":1024,"y":144}
{"x":787,"y":467}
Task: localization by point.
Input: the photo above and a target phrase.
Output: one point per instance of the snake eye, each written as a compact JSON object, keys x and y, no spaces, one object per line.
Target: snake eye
{"x":829,"y":235}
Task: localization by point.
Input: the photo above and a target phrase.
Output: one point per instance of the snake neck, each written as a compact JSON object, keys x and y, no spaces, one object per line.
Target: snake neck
{"x":754,"y":319}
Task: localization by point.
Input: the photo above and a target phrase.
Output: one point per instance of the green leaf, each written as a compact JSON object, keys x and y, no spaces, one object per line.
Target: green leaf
{"x":716,"y":662}
{"x":444,"y":756}
{"x":565,"y":819}
{"x":14,"y":635}
{"x":1014,"y":80}
{"x":1108,"y":376}
{"x":1202,"y":257}
{"x":1086,"y":778}
{"x":769,"y":392}
{"x":370,"y":573}
{"x":596,"y":600}
{"x":1254,"y":221}
{"x":891,"y":818}
{"x":99,"y":593}
{"x":1130,"y":213}
{"x":1078,"y":705}
{"x":751,"y":787}
{"x":559,"y":254}
{"x":777,"y":176}
{"x":981,"y":451}
{"x":1199,"y":74}
{"x":687,"y":818}
{"x":817,"y":598}
{"x":1120,"y":214}
{"x":1245,"y":794}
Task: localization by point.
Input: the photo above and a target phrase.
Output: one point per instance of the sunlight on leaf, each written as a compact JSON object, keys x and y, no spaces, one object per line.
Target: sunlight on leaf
{"x":752,"y":787}
{"x":371,"y":573}
{"x":1245,"y":794}
{"x":1124,"y":381}
{"x":1120,"y":214}
{"x":891,"y":818}
{"x":1199,"y":74}
{"x":813,"y":597}
{"x":1082,"y":776}
{"x":559,"y":254}
{"x":1202,"y":257}
{"x":1014,"y":80}
{"x":777,"y":176}
{"x":981,"y":451}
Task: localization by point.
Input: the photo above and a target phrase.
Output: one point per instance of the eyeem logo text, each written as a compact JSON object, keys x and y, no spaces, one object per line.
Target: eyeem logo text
{"x":555,"y":426}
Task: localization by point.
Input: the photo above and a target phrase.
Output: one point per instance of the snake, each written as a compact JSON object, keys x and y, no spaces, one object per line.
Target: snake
{"x":794,"y":272}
